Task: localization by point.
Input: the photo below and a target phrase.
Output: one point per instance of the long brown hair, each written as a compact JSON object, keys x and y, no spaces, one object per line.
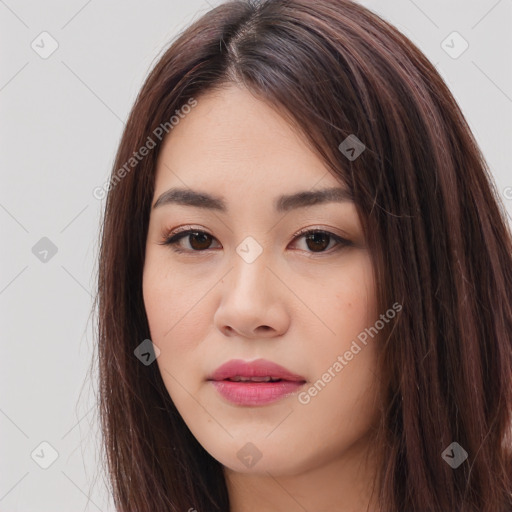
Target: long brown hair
{"x":435,"y":227}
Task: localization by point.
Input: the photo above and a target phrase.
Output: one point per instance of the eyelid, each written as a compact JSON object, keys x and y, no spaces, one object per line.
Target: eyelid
{"x":167,"y":235}
{"x":189,"y":227}
{"x":315,"y":229}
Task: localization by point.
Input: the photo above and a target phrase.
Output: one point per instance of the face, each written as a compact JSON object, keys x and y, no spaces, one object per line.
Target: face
{"x":259,"y":277}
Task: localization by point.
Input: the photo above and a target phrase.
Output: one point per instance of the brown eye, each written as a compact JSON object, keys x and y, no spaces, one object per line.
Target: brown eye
{"x":198,"y":241}
{"x":318,"y":241}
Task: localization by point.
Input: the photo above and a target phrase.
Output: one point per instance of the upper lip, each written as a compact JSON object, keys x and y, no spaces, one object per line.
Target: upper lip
{"x":257,"y":368}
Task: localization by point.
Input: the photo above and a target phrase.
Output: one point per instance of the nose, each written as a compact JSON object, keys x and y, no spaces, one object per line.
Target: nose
{"x":253,"y":302}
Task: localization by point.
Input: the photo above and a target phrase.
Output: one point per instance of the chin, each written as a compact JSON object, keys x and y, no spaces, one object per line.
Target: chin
{"x":261,"y":457}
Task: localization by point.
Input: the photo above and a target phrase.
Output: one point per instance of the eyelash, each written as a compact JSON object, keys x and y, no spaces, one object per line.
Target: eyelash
{"x":174,"y":237}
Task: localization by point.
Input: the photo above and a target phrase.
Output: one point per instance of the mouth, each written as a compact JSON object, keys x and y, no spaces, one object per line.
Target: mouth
{"x":254,"y":383}
{"x":240,"y":378}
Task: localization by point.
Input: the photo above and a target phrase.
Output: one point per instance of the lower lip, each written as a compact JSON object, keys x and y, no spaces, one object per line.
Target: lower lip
{"x":255,"y":393}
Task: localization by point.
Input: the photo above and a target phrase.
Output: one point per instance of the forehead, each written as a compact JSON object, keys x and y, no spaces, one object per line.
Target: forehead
{"x":232,"y":137}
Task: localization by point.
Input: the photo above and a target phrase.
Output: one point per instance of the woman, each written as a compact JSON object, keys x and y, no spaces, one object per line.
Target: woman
{"x":305,"y":281}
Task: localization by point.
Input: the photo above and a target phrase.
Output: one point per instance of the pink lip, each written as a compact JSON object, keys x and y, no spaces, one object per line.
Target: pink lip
{"x":254,"y":393}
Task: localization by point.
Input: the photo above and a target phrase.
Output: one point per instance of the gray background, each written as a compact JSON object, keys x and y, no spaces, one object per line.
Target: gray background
{"x":61,"y":121}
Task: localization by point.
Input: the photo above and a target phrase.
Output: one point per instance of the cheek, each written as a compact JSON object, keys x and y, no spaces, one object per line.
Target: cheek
{"x":348,"y":303}
{"x":175,"y":329}
{"x":348,"y":306}
{"x":347,"y":406}
{"x":168,"y":310}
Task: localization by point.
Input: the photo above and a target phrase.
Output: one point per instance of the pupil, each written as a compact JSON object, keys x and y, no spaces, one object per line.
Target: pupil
{"x":314,"y":238}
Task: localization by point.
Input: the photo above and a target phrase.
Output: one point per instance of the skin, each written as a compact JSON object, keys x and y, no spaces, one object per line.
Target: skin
{"x":300,"y":305}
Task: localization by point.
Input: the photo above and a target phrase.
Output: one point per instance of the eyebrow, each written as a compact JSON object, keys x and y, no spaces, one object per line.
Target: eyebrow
{"x":284,"y":203}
